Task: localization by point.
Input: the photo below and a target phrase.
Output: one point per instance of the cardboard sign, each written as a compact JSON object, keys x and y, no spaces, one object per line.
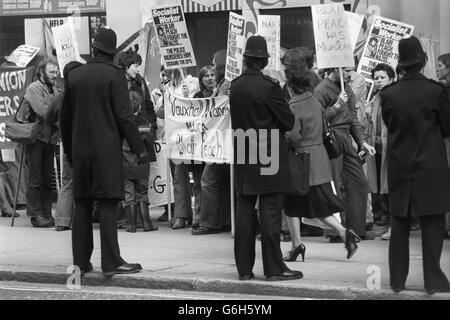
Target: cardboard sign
{"x":66,"y":45}
{"x":23,"y":55}
{"x":269,"y":27}
{"x":333,"y":44}
{"x":173,"y":37}
{"x":198,"y":129}
{"x":382,"y":44}
{"x":235,"y":47}
{"x":355,"y":22}
{"x":13,"y":84}
{"x":157,"y":186}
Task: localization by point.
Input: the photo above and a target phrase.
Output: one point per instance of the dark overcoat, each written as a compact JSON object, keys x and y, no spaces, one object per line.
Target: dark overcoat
{"x":416,"y":111}
{"x":257,"y":102}
{"x":95,"y":117}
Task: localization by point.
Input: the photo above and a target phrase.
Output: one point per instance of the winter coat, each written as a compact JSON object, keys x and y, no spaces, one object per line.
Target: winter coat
{"x":372,"y":173}
{"x":306,"y":136}
{"x":95,"y":117}
{"x":257,"y":102}
{"x":416,"y":111}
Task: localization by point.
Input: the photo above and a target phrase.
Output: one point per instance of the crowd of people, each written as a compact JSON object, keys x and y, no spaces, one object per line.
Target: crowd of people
{"x":392,"y":168}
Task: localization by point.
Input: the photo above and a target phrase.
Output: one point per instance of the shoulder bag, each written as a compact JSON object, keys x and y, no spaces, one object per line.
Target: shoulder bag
{"x":299,"y":172}
{"x":21,"y":130}
{"x":329,"y":139}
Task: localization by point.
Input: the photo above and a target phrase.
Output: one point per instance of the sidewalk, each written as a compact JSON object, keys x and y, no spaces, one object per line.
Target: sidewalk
{"x":175,"y":259}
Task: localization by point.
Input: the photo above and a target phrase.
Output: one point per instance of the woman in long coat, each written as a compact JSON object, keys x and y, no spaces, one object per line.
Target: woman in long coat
{"x":416,"y":111}
{"x":306,"y":136}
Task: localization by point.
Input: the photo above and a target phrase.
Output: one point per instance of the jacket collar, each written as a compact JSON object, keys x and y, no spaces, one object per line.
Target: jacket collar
{"x":100,"y":59}
{"x":251,"y":71}
{"x":414,"y":76}
{"x":300,"y":97}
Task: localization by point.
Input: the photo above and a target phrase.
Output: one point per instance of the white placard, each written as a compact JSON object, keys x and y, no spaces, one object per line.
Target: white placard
{"x":382,"y":44}
{"x":66,"y":45}
{"x":23,"y":55}
{"x":173,"y":37}
{"x":269,"y":28}
{"x":333,"y":44}
{"x":235,"y":47}
{"x":8,"y":155}
{"x":157,"y":186}
{"x":355,"y":22}
{"x":198,"y":129}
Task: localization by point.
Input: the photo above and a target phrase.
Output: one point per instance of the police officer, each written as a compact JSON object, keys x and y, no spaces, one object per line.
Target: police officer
{"x":416,"y":111}
{"x":259,"y":111}
{"x":95,"y":117}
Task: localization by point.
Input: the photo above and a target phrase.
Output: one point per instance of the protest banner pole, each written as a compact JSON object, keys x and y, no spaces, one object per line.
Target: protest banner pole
{"x":341,"y":75}
{"x":22,"y":154}
{"x":232,"y":193}
{"x":169,"y":194}
{"x":55,"y":165}
{"x":370,"y":92}
{"x":61,"y":160}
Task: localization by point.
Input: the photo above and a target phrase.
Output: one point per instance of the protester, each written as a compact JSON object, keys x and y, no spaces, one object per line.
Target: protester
{"x":206,"y":79}
{"x":348,"y":174}
{"x":215,"y":176}
{"x":5,"y":206}
{"x":136,"y":203}
{"x":306,"y":136}
{"x":40,"y":155}
{"x":95,"y":117}
{"x":65,"y":202}
{"x":416,"y":111}
{"x":382,"y":75}
{"x":257,"y":103}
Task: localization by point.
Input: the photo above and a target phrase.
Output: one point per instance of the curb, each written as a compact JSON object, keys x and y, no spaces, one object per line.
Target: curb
{"x":254,"y":287}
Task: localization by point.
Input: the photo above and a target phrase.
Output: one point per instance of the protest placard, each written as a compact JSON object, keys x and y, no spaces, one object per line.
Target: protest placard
{"x":173,"y":37}
{"x":382,"y":44}
{"x":13,"y":83}
{"x":355,"y":22}
{"x":66,"y":45}
{"x":198,"y":129}
{"x":333,"y":44}
{"x":235,"y":46}
{"x":157,"y":186}
{"x":269,"y":28}
{"x":23,"y":55}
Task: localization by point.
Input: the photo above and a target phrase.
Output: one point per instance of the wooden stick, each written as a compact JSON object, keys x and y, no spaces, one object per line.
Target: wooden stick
{"x":370,"y":92}
{"x":341,"y":74}
{"x":18,"y":185}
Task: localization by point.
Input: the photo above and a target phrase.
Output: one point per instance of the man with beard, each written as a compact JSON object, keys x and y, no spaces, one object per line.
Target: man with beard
{"x":39,"y":155}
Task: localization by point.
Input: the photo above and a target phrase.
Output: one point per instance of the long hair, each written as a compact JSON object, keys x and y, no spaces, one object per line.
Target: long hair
{"x":40,"y":71}
{"x":201,"y":75}
{"x":177,"y":77}
{"x":445,"y":59}
{"x":220,"y":60}
{"x":296,"y":70}
{"x":126,"y":59}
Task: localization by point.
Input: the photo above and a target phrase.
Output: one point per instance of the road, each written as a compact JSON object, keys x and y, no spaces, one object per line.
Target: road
{"x":36,"y":291}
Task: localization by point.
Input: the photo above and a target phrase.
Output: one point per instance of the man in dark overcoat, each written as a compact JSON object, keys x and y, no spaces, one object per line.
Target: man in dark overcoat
{"x":259,"y":110}
{"x":416,"y":111}
{"x":95,"y":118}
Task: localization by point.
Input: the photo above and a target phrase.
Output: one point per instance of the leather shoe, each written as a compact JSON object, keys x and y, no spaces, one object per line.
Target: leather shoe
{"x":287,"y":275}
{"x":9,"y":214}
{"x":124,"y":269}
{"x":245,"y":277}
{"x":179,"y":223}
{"x":88,"y":269}
{"x":42,"y":222}
{"x":398,"y":289}
{"x":203,"y":230}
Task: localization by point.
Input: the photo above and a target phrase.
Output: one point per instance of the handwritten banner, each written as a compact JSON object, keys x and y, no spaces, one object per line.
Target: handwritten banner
{"x":13,"y":83}
{"x":269,"y":27}
{"x":382,"y":44}
{"x":235,"y":47}
{"x":66,"y":45}
{"x":173,"y":37}
{"x":23,"y":55}
{"x":157,"y":186}
{"x":333,"y":44}
{"x":198,"y":129}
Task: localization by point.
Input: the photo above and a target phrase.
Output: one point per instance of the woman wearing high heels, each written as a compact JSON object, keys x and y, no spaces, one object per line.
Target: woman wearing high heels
{"x":306,"y":136}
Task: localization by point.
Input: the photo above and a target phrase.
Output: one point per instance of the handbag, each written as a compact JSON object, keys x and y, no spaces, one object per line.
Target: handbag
{"x":329,"y":139}
{"x":299,"y":172}
{"x":21,"y":131}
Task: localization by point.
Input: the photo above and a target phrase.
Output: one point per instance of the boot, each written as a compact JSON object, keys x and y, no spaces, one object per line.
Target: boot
{"x":131,"y":216}
{"x":145,"y":215}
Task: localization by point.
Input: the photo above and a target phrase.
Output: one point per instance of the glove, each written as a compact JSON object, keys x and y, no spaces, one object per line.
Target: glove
{"x":143,"y":157}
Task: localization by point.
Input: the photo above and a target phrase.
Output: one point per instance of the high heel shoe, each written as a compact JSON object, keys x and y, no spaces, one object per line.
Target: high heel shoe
{"x":350,"y":242}
{"x":293,"y":254}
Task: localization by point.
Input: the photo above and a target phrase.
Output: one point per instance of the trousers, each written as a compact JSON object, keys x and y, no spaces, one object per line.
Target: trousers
{"x":245,"y":235}
{"x":82,"y":235}
{"x":433,"y":228}
{"x":65,"y":202}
